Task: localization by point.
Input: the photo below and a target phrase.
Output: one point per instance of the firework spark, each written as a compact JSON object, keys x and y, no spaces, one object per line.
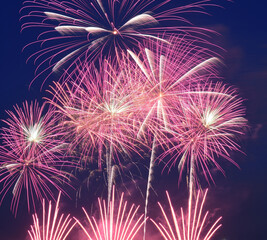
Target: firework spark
{"x":116,"y":222}
{"x":88,"y":29}
{"x":194,"y":226}
{"x":53,"y":225}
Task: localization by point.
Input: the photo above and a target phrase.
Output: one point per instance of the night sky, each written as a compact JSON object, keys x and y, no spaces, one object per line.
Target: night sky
{"x":241,"y":197}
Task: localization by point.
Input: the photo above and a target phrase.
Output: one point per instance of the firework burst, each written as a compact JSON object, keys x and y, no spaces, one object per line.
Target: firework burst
{"x":84,"y":30}
{"x":32,"y":127}
{"x":31,"y":156}
{"x":99,"y":114}
{"x":169,"y":72}
{"x":53,"y":225}
{"x":194,"y":225}
{"x":26,"y":173}
{"x":212,"y":119}
{"x":98,"y":110}
{"x":116,"y":222}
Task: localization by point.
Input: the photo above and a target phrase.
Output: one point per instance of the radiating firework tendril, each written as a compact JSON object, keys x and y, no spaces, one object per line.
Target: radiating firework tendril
{"x":84,"y":30}
{"x":31,"y":158}
{"x":99,"y":113}
{"x":168,"y":73}
{"x":115,"y":222}
{"x":195,"y":225}
{"x":53,"y":225}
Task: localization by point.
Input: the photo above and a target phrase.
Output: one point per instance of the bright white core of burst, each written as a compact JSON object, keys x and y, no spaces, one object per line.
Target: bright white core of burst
{"x":34,"y":133}
{"x":209,"y":118}
{"x":115,"y":32}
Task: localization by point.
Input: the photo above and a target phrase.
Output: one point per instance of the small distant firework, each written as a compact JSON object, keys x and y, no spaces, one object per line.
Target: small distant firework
{"x":194,"y":225}
{"x":86,"y":29}
{"x":53,"y":225}
{"x":212,"y":118}
{"x":114,"y":222}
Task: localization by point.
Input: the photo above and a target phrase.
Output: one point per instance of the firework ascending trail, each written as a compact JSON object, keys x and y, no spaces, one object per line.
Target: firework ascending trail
{"x":194,"y":225}
{"x":169,"y":74}
{"x":31,"y":156}
{"x":115,"y":222}
{"x":53,"y":225}
{"x":86,"y":29}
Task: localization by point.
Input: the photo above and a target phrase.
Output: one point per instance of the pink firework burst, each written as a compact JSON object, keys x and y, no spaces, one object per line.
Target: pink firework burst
{"x":82,"y":30}
{"x":170,"y":72}
{"x":195,"y":225}
{"x":100,"y":114}
{"x":212,"y":118}
{"x":34,"y":127}
{"x":31,"y":155}
{"x":115,"y":222}
{"x":99,"y":110}
{"x":27,"y":175}
{"x":52,"y":225}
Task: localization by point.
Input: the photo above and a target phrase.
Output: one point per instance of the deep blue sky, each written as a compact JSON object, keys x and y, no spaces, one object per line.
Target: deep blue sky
{"x":242,"y":195}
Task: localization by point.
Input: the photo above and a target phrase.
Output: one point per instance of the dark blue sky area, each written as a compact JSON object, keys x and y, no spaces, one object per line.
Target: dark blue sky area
{"x":242,"y":195}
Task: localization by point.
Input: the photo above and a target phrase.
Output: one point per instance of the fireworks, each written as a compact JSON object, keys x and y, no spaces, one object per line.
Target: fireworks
{"x":100,"y":114}
{"x":84,"y":30}
{"x":52,"y":226}
{"x":168,"y":75}
{"x":132,"y":82}
{"x":212,"y":118}
{"x":194,"y":225}
{"x":98,"y":110}
{"x":31,"y":128}
{"x":116,"y":222}
{"x":29,"y":176}
{"x":31,"y":156}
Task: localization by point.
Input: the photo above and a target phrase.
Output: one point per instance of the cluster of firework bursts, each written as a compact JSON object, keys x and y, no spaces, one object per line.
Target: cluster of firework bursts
{"x":136,"y":78}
